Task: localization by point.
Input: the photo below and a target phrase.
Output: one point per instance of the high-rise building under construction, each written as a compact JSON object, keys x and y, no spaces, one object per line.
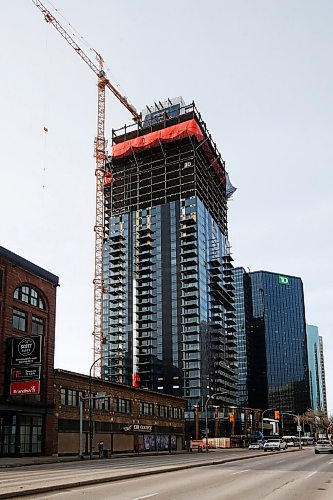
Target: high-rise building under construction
{"x":168,"y":309}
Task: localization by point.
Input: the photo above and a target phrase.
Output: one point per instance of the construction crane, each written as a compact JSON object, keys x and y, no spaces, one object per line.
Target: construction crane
{"x":100,"y":154}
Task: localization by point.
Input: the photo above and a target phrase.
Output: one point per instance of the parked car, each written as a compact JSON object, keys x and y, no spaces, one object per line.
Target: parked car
{"x":291,"y":441}
{"x":275,"y":444}
{"x":323,"y":446}
{"x":307,"y":440}
{"x":256,"y":446}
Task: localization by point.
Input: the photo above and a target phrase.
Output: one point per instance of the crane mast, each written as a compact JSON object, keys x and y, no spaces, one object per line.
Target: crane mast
{"x":100,"y":154}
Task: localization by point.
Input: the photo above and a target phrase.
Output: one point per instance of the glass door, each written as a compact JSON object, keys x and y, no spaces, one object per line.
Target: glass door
{"x":7,"y":434}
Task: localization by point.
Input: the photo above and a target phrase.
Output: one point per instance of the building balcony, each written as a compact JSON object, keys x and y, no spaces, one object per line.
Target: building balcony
{"x":189,"y":278}
{"x":188,"y":221}
{"x":144,"y":231}
{"x":189,"y":296}
{"x":190,"y":270}
{"x":188,"y":252}
{"x":190,"y":321}
{"x":143,"y":287}
{"x":188,"y":245}
{"x":188,"y":228}
{"x":145,"y":247}
{"x":191,"y":261}
{"x":145,"y":328}
{"x":150,"y":322}
{"x":190,"y":303}
{"x":186,"y":237}
{"x":190,"y":313}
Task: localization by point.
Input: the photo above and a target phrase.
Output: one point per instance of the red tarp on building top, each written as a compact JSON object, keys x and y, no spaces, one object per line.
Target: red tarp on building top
{"x":153,"y":139}
{"x":169,"y":134}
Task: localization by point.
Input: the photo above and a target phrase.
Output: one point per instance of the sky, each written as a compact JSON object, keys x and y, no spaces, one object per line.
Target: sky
{"x":259,"y":71}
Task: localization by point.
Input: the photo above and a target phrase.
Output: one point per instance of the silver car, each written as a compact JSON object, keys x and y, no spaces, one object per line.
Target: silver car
{"x":323,"y":446}
{"x":275,"y":444}
{"x":256,"y":446}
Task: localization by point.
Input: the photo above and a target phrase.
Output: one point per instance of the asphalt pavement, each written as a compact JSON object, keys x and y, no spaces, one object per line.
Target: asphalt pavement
{"x":278,"y":476}
{"x":43,"y":478}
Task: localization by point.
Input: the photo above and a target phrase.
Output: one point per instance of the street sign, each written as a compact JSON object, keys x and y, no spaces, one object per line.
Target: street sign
{"x":299,"y":428}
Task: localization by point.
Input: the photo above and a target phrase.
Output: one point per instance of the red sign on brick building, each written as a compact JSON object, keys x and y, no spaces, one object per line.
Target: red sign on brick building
{"x":25,"y":388}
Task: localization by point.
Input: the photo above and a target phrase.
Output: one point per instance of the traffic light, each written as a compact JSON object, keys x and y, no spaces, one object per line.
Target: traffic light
{"x":231,"y":417}
{"x":277,"y":415}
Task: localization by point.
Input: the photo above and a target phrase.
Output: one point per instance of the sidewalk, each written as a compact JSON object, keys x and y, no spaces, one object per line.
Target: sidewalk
{"x":7,"y":462}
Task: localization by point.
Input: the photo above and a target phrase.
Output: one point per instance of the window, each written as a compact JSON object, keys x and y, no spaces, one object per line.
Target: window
{"x":122,"y":405}
{"x":70,"y":397}
{"x":37,"y":327}
{"x":146,"y":409}
{"x":30,"y":296}
{"x":101,"y":403}
{"x":19,"y":320}
{"x":162,"y":411}
{"x":177,"y":413}
{"x":1,"y":280}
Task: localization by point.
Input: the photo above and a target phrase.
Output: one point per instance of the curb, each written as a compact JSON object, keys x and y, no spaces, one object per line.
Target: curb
{"x":89,"y":482}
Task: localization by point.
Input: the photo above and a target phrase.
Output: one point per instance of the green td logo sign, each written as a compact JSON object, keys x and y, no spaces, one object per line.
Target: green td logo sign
{"x":283,"y":280}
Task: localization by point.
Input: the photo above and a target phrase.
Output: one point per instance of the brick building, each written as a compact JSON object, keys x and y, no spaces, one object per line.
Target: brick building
{"x":128,"y":419}
{"x":27,"y":331}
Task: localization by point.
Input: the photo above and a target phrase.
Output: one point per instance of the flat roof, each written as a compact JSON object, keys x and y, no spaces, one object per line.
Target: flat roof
{"x":28,"y":266}
{"x":117,"y":385}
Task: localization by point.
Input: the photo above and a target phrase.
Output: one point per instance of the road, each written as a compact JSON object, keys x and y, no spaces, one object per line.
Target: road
{"x":51,"y":475}
{"x":302,"y":475}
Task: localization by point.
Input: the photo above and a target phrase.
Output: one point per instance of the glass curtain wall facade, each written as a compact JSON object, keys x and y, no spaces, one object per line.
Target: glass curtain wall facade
{"x":322,"y":365}
{"x":278,"y":323}
{"x":244,"y":337}
{"x":168,"y":314}
{"x":315,"y":371}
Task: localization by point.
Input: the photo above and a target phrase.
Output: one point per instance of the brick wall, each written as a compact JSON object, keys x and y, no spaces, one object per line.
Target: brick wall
{"x":14,"y":272}
{"x":115,"y":421}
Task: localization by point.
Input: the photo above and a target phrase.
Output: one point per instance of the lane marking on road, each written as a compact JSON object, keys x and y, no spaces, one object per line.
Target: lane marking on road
{"x":331,"y":462}
{"x":279,"y":461}
{"x":239,"y":472}
{"x":145,"y":496}
{"x":311,"y":474}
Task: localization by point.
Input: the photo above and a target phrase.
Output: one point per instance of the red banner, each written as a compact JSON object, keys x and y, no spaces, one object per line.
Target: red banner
{"x":29,"y":387}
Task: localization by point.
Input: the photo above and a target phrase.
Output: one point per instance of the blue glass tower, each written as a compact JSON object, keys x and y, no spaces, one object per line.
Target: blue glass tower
{"x":315,"y":369}
{"x":272,"y":341}
{"x":244,"y":337}
{"x":168,"y":311}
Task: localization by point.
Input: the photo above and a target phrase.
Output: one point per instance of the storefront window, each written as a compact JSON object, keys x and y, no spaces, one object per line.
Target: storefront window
{"x":30,"y":431}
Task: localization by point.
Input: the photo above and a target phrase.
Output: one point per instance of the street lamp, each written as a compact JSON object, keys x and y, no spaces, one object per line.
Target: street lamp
{"x":90,"y":405}
{"x":262,"y":419}
{"x":206,"y":412}
{"x":298,"y":427}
